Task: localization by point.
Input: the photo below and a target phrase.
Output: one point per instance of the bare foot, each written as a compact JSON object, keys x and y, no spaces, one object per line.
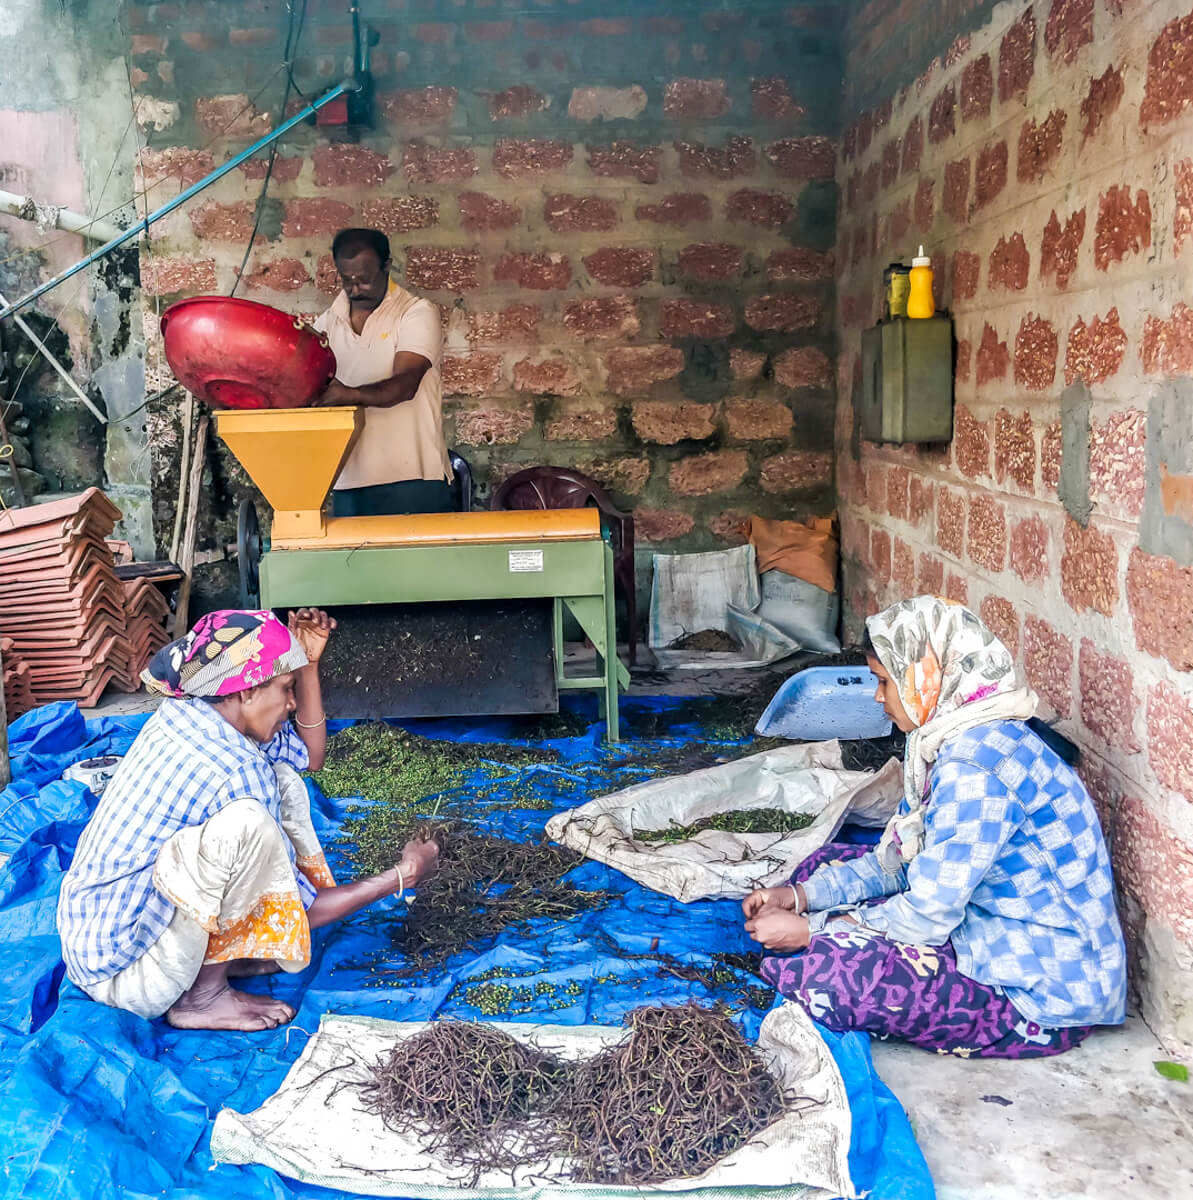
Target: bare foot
{"x":246,"y":968}
{"x":211,"y":1004}
{"x":230,"y":1009}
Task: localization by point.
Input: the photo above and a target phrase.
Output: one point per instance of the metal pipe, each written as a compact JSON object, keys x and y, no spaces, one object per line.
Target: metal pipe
{"x":67,"y":219}
{"x":349,"y":85}
{"x":24,"y":327}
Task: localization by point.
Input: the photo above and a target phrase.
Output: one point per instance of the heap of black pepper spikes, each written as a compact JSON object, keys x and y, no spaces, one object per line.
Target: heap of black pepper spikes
{"x":754,"y":820}
{"x":469,"y":1089}
{"x":681,"y":1092}
{"x":678,"y":1093}
{"x":484,"y":886}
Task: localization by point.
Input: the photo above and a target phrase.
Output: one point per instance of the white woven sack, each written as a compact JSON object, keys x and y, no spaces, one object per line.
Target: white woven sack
{"x":693,"y":592}
{"x":314,"y":1127}
{"x":806,"y":778}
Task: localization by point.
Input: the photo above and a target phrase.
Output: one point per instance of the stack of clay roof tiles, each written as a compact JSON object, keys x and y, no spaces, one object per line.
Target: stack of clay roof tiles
{"x":74,"y":625}
{"x":18,"y":692}
{"x":145,"y":613}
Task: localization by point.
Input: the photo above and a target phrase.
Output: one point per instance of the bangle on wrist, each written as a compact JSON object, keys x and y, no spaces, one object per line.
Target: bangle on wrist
{"x":311,"y":724}
{"x":401,"y":883}
{"x":795,"y":893}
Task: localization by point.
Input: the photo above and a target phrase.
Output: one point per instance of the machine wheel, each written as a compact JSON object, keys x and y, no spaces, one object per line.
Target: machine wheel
{"x":248,"y":554}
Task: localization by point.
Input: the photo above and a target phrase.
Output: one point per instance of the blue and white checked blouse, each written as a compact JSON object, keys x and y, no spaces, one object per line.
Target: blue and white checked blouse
{"x":184,"y":766}
{"x":1014,"y":872}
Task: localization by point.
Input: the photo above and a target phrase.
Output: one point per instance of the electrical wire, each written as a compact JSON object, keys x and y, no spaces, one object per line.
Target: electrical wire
{"x":293,"y":35}
{"x":142,"y":194}
{"x":288,"y":62}
{"x":56,"y":319}
{"x":93,"y":203}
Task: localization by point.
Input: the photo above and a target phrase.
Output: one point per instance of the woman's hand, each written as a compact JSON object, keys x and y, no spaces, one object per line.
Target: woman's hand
{"x":311,"y":627}
{"x":779,"y":930}
{"x":785,"y":898}
{"x":420,"y":858}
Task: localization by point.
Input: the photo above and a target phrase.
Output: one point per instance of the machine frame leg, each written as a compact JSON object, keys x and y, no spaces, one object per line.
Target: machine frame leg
{"x":557,"y":637}
{"x":610,"y":660}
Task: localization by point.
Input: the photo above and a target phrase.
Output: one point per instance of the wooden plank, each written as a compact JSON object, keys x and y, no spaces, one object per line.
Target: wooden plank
{"x":188,"y":418}
{"x":186,"y":558}
{"x":160,"y":571}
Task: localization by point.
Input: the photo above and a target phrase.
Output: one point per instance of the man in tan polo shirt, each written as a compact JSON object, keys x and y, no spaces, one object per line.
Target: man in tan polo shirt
{"x":388,"y":346}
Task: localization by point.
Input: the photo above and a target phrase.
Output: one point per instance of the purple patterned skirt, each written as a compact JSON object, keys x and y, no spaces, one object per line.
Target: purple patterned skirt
{"x":850,"y":978}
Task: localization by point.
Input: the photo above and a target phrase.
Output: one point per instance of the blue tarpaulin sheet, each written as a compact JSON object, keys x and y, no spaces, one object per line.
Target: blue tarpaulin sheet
{"x":97,"y":1103}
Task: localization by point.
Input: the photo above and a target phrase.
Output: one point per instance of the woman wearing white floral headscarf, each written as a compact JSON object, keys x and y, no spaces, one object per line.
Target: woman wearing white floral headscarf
{"x":983,"y":923}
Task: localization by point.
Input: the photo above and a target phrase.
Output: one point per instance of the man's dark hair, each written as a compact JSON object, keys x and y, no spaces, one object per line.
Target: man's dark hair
{"x":350,"y":242}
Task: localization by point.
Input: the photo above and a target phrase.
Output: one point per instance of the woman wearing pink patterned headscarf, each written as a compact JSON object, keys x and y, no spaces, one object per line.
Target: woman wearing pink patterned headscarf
{"x":200,"y":862}
{"x":983,"y":924}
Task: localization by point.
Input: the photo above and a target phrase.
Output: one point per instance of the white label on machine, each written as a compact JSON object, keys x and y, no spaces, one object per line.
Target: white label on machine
{"x":526,"y":560}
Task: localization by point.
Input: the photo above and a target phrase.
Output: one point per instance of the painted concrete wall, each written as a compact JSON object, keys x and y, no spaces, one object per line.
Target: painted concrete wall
{"x":1045,"y":159}
{"x":625,"y":211}
{"x":67,"y":137}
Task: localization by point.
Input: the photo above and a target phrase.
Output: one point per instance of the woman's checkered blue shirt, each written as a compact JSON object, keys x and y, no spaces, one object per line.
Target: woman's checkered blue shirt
{"x":184,"y":766}
{"x":1014,"y":872}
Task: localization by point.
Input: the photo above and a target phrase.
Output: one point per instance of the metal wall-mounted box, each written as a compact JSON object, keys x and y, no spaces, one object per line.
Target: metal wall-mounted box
{"x":907,"y":380}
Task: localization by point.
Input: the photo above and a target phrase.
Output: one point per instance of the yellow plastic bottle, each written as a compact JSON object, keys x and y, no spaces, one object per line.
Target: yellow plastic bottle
{"x":919,"y":301}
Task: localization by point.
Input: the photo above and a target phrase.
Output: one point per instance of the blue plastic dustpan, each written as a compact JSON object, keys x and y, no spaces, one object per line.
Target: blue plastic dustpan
{"x":826,"y":702}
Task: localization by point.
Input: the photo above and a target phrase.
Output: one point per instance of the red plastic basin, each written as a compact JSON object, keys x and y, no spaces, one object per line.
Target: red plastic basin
{"x":239,"y":354}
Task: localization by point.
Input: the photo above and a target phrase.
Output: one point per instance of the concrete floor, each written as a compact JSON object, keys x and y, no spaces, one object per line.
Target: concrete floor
{"x":1094,"y":1124}
{"x":1098,"y":1123}
{"x":121,"y":704}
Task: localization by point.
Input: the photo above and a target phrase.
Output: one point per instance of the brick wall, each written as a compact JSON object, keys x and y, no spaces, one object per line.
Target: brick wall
{"x":1045,"y":159}
{"x":625,"y":211}
{"x":891,"y":41}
